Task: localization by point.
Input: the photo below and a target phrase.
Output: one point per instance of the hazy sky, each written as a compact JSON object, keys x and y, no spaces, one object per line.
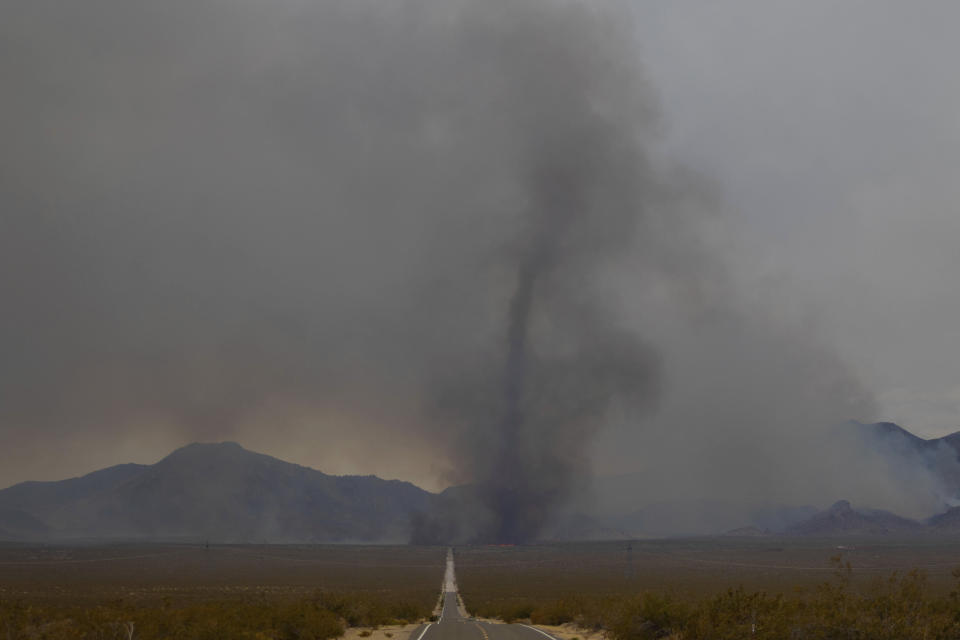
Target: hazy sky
{"x":227,"y":220}
{"x":833,"y":130}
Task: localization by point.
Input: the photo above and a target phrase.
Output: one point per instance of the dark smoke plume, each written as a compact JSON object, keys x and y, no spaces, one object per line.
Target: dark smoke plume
{"x":525,"y":455}
{"x":582,"y":178}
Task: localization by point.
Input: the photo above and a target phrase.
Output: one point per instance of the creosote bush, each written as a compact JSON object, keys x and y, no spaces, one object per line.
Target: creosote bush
{"x":130,"y":591}
{"x":319,"y":617}
{"x":898,"y":607}
{"x":303,"y":620}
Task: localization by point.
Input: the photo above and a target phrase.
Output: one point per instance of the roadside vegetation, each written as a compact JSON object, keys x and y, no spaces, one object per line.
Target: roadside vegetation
{"x":898,"y":608}
{"x":316,"y":617}
{"x":686,"y":590}
{"x":256,"y":593}
{"x":841,"y":604}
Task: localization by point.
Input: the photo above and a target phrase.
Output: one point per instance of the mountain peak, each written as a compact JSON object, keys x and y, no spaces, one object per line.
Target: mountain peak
{"x":227,"y":445}
{"x":841,"y":507}
{"x":208,"y":449}
{"x":842,"y":519}
{"x":217,"y":491}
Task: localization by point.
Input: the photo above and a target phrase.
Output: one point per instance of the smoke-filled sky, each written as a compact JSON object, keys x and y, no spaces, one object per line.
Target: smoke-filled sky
{"x":303,"y":226}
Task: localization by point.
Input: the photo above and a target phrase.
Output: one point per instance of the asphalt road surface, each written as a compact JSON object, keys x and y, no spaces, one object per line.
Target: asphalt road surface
{"x":453,"y":625}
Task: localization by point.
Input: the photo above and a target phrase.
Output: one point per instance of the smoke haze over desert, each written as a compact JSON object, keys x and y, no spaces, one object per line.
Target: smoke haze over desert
{"x":508,"y":244}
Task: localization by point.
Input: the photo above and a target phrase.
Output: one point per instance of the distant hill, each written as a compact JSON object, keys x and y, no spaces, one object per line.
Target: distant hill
{"x":939,"y":455}
{"x":686,"y":518}
{"x":895,"y":432}
{"x":18,"y":524}
{"x":841,"y":520}
{"x":747,"y":532}
{"x":947,"y":522}
{"x":218,"y":492}
{"x":902,"y":449}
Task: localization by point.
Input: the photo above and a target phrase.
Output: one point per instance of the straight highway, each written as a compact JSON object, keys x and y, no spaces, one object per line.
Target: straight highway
{"x":453,"y":622}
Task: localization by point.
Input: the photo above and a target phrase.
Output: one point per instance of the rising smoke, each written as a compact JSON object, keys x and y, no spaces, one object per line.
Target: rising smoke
{"x":419,"y":229}
{"x":580,"y":177}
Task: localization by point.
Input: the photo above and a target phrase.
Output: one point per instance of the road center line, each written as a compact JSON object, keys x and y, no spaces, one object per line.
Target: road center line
{"x":423,"y":633}
{"x":535,"y":629}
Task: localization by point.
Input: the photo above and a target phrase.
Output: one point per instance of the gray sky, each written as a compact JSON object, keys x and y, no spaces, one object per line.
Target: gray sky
{"x":228,"y":220}
{"x":833,"y":130}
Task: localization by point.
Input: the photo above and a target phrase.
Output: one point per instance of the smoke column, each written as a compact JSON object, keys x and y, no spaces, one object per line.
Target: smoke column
{"x":570,"y":91}
{"x":509,"y":500}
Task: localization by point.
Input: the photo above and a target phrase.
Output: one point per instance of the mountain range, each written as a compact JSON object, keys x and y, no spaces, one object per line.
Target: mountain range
{"x":841,"y":519}
{"x":219,"y":492}
{"x":224,"y":493}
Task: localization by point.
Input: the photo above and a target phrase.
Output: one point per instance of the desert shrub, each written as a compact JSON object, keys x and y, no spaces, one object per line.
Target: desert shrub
{"x":737,"y":613}
{"x":555,"y":612}
{"x":517,"y":611}
{"x":236,"y":592}
{"x":898,"y":607}
{"x":644,"y":616}
{"x":297,"y":620}
{"x":371,"y":610}
{"x":406,"y":611}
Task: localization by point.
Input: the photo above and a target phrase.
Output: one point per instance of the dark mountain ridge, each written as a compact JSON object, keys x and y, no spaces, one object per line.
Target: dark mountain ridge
{"x":225,"y":493}
{"x":219,"y":492}
{"x":842,"y":519}
{"x":895,"y":434}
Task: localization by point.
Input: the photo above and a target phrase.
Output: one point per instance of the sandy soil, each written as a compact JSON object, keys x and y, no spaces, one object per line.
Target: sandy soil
{"x":570,"y":631}
{"x":387,"y":632}
{"x":567,"y":631}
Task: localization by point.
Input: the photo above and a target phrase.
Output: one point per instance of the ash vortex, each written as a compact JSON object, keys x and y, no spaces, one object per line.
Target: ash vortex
{"x":570,"y":89}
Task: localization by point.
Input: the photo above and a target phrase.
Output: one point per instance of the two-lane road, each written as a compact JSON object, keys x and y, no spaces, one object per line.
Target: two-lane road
{"x":453,"y":625}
